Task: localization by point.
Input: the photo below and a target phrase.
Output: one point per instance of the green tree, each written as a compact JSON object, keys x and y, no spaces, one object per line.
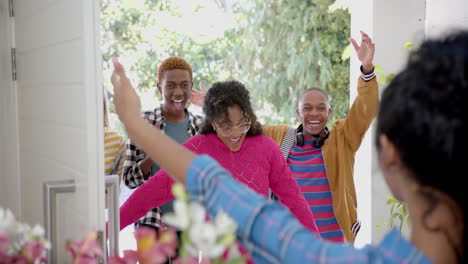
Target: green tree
{"x":281,"y":48}
{"x":137,"y":32}
{"x":278,"y":48}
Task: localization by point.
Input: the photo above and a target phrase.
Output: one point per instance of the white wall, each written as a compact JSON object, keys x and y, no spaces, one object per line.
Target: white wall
{"x":444,"y":16}
{"x":390,"y":24}
{"x":361,"y":19}
{"x":9,"y":169}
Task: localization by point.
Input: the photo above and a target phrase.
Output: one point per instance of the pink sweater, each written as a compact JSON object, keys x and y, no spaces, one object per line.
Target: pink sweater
{"x":259,"y":164}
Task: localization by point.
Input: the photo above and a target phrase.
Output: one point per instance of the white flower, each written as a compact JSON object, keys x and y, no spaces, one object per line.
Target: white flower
{"x":203,"y":237}
{"x":7,"y":220}
{"x":234,"y":252}
{"x":224,"y":224}
{"x":197,"y":213}
{"x":38,"y":231}
{"x":179,"y":219}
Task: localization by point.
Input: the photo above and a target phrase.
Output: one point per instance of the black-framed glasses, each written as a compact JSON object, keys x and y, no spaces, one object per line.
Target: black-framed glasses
{"x":229,"y":130}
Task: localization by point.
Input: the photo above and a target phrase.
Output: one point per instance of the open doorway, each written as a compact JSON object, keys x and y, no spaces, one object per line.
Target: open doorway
{"x":262,"y":44}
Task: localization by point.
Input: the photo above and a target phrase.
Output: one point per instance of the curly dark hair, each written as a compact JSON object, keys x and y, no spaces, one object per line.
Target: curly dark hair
{"x":424,"y":113}
{"x":222,"y":95}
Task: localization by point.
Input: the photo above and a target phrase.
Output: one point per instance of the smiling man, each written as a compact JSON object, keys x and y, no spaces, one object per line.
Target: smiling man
{"x":322,"y":160}
{"x":175,"y":84}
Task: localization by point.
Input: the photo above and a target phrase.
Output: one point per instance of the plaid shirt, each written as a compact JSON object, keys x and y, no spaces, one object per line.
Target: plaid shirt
{"x":272,"y":235}
{"x":133,"y":176}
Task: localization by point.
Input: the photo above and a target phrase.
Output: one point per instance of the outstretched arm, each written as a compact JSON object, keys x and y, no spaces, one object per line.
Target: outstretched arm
{"x":153,"y":193}
{"x":364,"y":107}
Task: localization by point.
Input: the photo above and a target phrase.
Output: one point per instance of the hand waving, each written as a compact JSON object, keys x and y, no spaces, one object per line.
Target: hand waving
{"x":365,"y":52}
{"x":198,"y":97}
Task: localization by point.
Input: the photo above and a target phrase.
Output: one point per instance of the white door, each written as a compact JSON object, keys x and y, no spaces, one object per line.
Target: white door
{"x":60,"y":124}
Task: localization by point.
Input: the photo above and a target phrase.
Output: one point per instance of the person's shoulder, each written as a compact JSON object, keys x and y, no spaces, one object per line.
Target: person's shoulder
{"x":197,"y":137}
{"x":262,"y":140}
{"x":201,"y":138}
{"x":112,"y":134}
{"x":152,"y":114}
{"x":112,"y":137}
{"x":272,"y":129}
{"x":199,"y":143}
{"x":194,"y":116}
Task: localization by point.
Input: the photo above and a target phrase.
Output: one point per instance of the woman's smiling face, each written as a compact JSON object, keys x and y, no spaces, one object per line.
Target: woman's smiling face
{"x":232,"y":131}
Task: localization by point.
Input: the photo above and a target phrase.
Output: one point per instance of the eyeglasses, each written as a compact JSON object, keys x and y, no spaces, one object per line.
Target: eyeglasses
{"x":228,"y":130}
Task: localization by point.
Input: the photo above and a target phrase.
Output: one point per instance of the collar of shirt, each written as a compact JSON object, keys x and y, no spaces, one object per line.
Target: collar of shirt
{"x":156,"y":116}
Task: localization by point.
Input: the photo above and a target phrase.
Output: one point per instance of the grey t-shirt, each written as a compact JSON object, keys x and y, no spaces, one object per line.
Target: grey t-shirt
{"x":178,"y":132}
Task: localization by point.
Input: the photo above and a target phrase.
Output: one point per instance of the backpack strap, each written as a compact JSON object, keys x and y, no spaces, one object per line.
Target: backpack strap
{"x":288,"y":142}
{"x":115,"y":167}
{"x":286,"y":146}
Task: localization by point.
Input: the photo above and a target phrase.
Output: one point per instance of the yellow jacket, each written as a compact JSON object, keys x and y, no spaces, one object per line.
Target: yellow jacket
{"x":339,"y":151}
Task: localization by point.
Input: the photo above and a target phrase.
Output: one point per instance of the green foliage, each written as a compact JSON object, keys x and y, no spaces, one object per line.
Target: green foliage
{"x":398,"y":213}
{"x":281,"y":48}
{"x":137,"y":31}
{"x":408,"y":45}
{"x":277,"y":48}
{"x":384,"y":78}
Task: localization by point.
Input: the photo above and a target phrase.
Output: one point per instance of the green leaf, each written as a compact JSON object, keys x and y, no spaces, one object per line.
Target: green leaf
{"x":408,"y":45}
{"x":390,"y":77}
{"x":179,"y":192}
{"x":227,"y":240}
{"x":383,"y":79}
{"x":238,"y":260}
{"x":377,"y":68}
{"x":346,"y":53}
{"x":184,"y":240}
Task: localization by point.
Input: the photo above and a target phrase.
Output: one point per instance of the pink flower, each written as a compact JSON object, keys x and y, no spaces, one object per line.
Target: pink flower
{"x":85,"y":251}
{"x":4,"y":258}
{"x":4,"y":241}
{"x":150,"y":250}
{"x":168,"y":242}
{"x":191,"y":260}
{"x":18,"y":259}
{"x":34,"y":251}
{"x":130,"y":257}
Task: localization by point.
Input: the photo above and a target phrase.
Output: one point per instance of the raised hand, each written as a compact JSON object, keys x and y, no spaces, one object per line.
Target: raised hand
{"x":126,"y":101}
{"x":365,"y":52}
{"x":198,"y":97}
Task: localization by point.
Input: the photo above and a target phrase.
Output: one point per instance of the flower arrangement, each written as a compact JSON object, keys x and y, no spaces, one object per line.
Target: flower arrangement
{"x":19,"y":243}
{"x":202,"y":240}
{"x":149,"y":249}
{"x":86,"y":251}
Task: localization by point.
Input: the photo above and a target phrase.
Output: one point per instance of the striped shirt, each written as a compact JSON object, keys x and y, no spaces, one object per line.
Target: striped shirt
{"x":114,"y":153}
{"x":308,"y":168}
